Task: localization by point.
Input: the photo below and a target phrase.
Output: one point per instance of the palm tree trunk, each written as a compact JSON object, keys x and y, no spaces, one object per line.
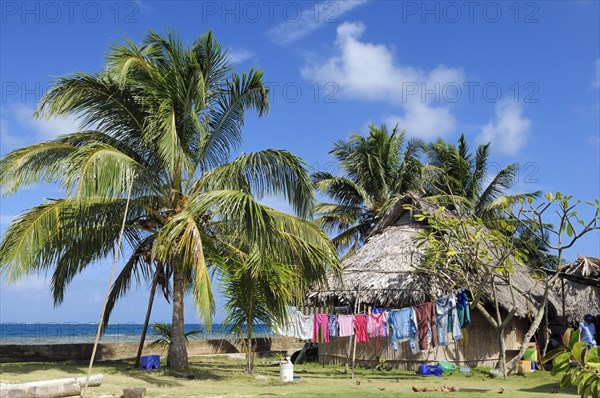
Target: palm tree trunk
{"x":147,"y":320}
{"x":250,"y":356}
{"x":250,"y":315}
{"x":177,"y":355}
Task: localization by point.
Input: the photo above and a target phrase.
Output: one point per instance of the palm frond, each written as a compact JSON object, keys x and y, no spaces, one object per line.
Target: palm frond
{"x":265,"y":173}
{"x":56,"y":231}
{"x":38,"y":163}
{"x":226,"y":116}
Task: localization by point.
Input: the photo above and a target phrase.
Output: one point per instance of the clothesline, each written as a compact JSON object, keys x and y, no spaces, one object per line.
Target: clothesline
{"x":377,"y":271}
{"x":430,"y":321}
{"x":367,"y":289}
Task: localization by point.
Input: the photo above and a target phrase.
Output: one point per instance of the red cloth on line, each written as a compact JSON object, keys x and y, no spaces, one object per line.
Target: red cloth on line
{"x":323,"y":321}
{"x":360,"y":327}
{"x":425,"y":317}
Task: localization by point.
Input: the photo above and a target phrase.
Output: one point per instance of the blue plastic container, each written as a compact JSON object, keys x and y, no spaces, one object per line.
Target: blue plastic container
{"x":150,"y":362}
{"x":430,"y":370}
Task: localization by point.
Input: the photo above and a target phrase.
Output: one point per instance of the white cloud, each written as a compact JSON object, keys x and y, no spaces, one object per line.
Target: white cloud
{"x":369,"y":71}
{"x":30,"y":283}
{"x":8,"y":141}
{"x":596,"y":82}
{"x":27,"y":130}
{"x":239,"y":55}
{"x":424,"y":121}
{"x":43,"y":129}
{"x":320,"y":14}
{"x":5,"y":219}
{"x":508,"y":130}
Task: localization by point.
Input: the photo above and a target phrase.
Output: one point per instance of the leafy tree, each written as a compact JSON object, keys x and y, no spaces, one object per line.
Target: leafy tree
{"x":164,"y":119}
{"x":460,"y":249}
{"x":586,"y":374}
{"x":375,"y":170}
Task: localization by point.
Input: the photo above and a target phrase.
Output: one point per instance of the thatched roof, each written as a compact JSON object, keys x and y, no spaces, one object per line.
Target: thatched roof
{"x":581,"y":287}
{"x":385,"y":269}
{"x":585,"y":271}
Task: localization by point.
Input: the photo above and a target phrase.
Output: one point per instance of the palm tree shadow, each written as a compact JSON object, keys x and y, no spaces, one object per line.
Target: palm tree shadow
{"x":550,"y":388}
{"x":147,"y":377}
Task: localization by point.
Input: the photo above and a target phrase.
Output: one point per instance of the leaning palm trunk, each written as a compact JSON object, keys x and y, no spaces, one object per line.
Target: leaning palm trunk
{"x":147,"y":320}
{"x":177,"y":356}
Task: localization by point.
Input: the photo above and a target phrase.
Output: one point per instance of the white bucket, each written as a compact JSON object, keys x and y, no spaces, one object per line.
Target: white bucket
{"x":286,"y":370}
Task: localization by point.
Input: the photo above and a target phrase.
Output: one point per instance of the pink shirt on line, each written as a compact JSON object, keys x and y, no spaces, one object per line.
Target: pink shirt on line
{"x":346,"y":325}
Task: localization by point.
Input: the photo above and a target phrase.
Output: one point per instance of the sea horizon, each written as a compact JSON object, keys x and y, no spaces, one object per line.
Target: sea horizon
{"x":81,"y":333}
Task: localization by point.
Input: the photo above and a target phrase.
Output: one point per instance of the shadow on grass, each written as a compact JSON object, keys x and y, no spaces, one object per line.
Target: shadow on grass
{"x":550,"y":388}
{"x":473,"y":390}
{"x":164,"y":381}
{"x":71,"y":367}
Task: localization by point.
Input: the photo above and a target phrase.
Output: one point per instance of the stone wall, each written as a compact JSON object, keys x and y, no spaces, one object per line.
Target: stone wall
{"x":112,"y":351}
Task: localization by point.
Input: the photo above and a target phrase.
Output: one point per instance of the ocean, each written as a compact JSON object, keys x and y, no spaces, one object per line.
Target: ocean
{"x":72,"y":333}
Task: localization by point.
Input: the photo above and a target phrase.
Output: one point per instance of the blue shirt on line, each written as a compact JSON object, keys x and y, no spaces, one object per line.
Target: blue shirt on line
{"x":587,"y":333}
{"x":403,"y":326}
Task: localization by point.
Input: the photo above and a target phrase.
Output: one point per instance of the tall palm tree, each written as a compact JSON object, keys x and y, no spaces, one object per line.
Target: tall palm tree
{"x":163,"y":119}
{"x":375,"y":170}
{"x":452,"y":170}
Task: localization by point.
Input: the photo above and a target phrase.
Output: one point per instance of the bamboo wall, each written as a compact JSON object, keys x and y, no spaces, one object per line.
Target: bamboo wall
{"x":478,"y":348}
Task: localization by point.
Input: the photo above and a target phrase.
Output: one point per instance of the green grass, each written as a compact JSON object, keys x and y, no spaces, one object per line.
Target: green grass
{"x":224,"y":377}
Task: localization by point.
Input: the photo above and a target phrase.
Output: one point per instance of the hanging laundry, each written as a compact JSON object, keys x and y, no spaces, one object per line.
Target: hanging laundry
{"x":426,"y":323}
{"x":463,"y":310}
{"x":297,"y":325}
{"x":333,"y":325}
{"x":322,"y":321}
{"x":447,"y":319}
{"x":404,"y":326}
{"x":377,"y":325}
{"x":346,"y":325}
{"x":360,"y":327}
{"x":377,"y":310}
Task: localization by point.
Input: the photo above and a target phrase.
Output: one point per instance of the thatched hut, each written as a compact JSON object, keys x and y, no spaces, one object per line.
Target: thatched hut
{"x":384,"y":273}
{"x":579,"y":287}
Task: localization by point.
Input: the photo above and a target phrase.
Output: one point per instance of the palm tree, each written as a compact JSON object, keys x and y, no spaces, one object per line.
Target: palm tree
{"x":375,"y":170}
{"x":259,"y":287}
{"x":163,"y":119}
{"x":164,"y":331}
{"x":257,"y":290}
{"x":454,"y":171}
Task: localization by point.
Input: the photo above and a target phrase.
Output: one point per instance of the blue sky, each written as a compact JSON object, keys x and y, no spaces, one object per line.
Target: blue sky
{"x":525,"y":76}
